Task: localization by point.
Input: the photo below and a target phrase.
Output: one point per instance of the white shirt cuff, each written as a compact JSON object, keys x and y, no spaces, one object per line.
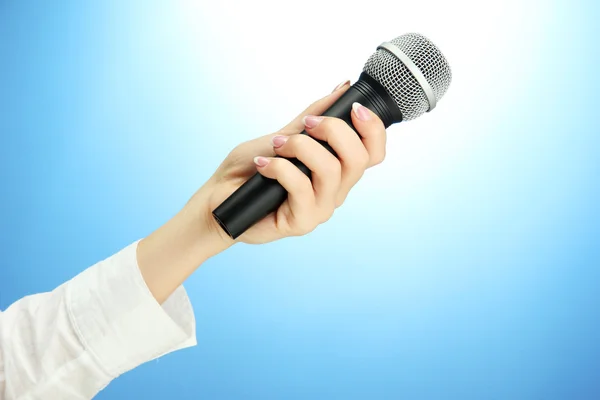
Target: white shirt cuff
{"x":118,"y":320}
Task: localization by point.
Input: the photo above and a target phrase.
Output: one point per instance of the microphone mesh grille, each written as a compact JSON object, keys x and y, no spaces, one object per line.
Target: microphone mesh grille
{"x":397,"y":79}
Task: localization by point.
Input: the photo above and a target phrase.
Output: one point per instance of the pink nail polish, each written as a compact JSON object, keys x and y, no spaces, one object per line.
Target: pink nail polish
{"x":261,"y":161}
{"x":311,"y":121}
{"x":341,"y":85}
{"x":278,"y":141}
{"x":361,"y":112}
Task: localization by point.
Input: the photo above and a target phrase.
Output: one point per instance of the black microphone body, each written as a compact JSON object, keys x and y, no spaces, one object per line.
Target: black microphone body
{"x":260,"y":196}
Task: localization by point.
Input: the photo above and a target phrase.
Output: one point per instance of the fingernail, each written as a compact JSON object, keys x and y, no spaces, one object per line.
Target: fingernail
{"x":278,"y":141}
{"x":341,"y":85}
{"x":361,"y":112}
{"x":311,"y":121}
{"x":261,"y":161}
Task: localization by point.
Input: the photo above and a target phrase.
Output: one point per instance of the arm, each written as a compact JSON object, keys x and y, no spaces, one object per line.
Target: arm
{"x":131,"y":307}
{"x":172,"y":253}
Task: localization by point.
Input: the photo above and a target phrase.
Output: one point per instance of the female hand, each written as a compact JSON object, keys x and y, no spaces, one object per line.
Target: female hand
{"x":309,"y":204}
{"x":173,"y":252}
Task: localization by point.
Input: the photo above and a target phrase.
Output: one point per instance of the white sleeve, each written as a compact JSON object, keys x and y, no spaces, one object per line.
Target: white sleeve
{"x":71,"y":342}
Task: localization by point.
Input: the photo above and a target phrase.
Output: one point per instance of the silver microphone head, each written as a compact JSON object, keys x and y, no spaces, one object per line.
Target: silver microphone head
{"x":413,"y":71}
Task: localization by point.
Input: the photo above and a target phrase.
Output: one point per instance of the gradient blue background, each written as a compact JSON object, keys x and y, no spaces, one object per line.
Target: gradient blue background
{"x":467,"y":266}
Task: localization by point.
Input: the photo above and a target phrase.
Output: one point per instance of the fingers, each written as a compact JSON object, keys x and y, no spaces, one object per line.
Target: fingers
{"x":311,"y":203}
{"x":372,"y":132}
{"x":263,"y":146}
{"x":325,"y":168}
{"x":316,"y":108}
{"x":351,"y":152}
{"x":355,"y":153}
{"x":301,"y":197}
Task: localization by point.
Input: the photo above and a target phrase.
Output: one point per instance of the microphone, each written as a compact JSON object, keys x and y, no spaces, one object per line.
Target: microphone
{"x":402,"y":80}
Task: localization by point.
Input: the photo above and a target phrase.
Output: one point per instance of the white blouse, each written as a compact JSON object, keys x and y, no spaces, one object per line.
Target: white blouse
{"x":71,"y":342}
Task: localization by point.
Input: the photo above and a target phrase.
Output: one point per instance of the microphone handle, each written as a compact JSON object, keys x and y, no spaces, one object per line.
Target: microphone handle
{"x":260,"y":196}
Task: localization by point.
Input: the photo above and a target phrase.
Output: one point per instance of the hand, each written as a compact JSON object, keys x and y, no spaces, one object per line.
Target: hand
{"x":175,"y":250}
{"x":309,"y":203}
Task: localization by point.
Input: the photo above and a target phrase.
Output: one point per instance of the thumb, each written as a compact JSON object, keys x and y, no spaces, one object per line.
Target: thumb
{"x":316,"y":108}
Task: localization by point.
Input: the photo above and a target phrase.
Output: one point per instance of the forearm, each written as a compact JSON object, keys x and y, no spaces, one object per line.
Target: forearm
{"x":169,"y":255}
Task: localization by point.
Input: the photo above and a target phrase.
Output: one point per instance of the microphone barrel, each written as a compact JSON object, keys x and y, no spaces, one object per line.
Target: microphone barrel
{"x":260,"y":196}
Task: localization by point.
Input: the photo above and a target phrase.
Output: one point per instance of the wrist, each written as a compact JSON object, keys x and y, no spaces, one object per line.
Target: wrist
{"x":206,"y":237}
{"x":169,"y":255}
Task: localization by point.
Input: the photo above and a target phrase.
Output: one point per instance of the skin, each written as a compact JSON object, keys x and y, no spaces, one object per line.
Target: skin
{"x":169,"y":255}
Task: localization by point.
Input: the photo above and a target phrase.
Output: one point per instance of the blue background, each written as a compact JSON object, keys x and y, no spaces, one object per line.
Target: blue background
{"x":467,"y":266}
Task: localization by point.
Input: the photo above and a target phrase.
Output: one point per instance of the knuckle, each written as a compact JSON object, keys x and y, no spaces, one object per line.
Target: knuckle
{"x":302,"y":187}
{"x":327,"y":213}
{"x":340,"y":199}
{"x":325,"y":127}
{"x":359,"y":162}
{"x":326,"y":210}
{"x":336,"y":126}
{"x":325,"y":218}
{"x":363,"y":159}
{"x":303,"y":227}
{"x":277,"y":165}
{"x":332,"y":167}
{"x":336,"y":122}
{"x":297,"y":141}
{"x":379,"y":158}
{"x":375,"y":161}
{"x":373,"y":130}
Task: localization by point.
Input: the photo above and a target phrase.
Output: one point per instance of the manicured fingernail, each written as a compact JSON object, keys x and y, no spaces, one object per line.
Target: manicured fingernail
{"x":278,"y":141}
{"x":341,"y":85}
{"x":261,"y":161}
{"x":361,"y":112}
{"x":311,"y":121}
